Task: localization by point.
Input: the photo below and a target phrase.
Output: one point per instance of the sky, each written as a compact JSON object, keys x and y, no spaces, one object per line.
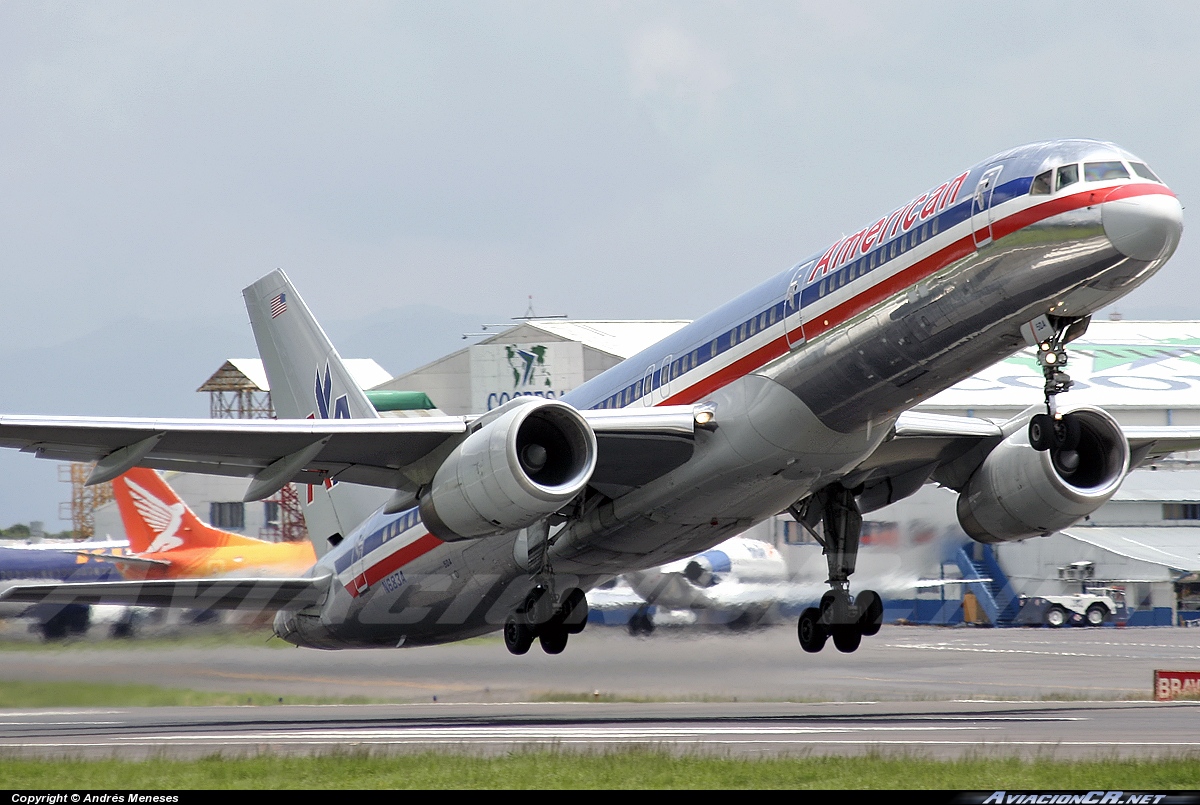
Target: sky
{"x":608,"y":159}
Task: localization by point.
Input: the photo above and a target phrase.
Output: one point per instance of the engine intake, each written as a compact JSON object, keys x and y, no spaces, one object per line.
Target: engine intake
{"x":1019,"y":492}
{"x":521,"y":463}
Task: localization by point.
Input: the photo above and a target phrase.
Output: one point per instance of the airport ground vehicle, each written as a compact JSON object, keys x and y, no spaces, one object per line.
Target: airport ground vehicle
{"x":1091,"y":608}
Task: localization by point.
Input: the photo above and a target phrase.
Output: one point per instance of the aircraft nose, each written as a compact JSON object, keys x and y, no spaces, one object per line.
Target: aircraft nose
{"x":1144,"y":227}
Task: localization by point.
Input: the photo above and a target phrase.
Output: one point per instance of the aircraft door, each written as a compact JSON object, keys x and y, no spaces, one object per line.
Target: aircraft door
{"x":357,"y":567}
{"x":793,"y":316}
{"x":664,"y":380}
{"x":981,"y":207}
{"x":648,"y":387}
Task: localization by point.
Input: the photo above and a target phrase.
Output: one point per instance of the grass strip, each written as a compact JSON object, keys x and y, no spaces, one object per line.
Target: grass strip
{"x":23,"y":695}
{"x":636,"y":768}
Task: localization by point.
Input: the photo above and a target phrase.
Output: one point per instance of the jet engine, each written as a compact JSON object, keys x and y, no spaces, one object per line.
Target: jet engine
{"x":520,"y":463}
{"x":1020,"y":492}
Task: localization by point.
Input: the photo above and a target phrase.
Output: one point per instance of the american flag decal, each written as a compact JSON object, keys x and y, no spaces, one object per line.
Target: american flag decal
{"x":278,"y":305}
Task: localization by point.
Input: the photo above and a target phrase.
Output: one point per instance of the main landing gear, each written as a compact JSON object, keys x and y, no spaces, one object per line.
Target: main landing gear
{"x":845,"y":618}
{"x":549,"y":618}
{"x":1058,"y":433}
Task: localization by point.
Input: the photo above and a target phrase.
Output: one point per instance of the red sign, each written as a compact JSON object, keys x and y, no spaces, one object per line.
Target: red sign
{"x":1176,"y":684}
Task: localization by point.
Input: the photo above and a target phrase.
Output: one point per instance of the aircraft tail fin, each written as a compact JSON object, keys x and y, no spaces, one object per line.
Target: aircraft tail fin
{"x":157,"y":520}
{"x":307,"y":376}
{"x":309,"y":380}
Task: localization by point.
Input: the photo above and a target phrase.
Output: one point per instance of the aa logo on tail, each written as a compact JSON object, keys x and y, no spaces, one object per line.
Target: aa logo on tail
{"x":341,"y":410}
{"x":341,"y":406}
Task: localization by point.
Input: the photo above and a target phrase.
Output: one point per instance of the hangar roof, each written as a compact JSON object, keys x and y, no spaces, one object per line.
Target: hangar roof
{"x":620,"y":338}
{"x":1176,"y":547}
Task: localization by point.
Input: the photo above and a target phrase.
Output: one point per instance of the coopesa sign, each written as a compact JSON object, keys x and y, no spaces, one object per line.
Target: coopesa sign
{"x":500,"y":372}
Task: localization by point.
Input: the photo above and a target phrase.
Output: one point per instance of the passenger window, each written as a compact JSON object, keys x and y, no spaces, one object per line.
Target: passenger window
{"x":1103,"y":171}
{"x":1067,"y":174}
{"x":1143,"y":171}
{"x":1041,"y":184}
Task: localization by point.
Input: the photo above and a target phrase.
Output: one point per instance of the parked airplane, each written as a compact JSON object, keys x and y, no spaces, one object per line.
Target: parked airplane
{"x":739,"y":581}
{"x":792,"y":397}
{"x":169,"y":541}
{"x":58,"y":561}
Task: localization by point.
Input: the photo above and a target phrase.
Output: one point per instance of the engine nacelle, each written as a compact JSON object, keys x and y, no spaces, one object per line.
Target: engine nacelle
{"x":521,"y":463}
{"x":1020,"y":492}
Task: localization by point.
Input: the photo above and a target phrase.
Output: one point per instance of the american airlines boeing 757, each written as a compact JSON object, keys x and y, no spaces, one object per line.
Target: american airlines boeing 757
{"x":793,"y":397}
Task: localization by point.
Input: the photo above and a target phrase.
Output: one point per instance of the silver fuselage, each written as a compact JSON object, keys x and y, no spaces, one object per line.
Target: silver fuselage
{"x":806,"y":372}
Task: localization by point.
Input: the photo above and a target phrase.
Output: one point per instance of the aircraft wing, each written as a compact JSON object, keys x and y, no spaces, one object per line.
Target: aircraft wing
{"x":948,"y":449}
{"x":1147,"y":443}
{"x":920,"y":446}
{"x":226,"y":593}
{"x":634,"y":446}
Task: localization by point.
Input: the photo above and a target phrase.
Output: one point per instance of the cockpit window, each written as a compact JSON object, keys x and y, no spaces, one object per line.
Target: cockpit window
{"x":1141,"y":170}
{"x":1041,"y":184}
{"x":1102,"y":171}
{"x":1067,"y":174}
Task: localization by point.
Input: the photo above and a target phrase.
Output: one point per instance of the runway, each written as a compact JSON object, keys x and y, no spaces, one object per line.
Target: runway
{"x":940,"y":692}
{"x":932,"y":729}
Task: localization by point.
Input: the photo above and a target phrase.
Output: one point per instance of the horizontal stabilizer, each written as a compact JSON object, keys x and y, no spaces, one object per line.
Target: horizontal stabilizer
{"x":239,"y":594}
{"x":132,"y":561}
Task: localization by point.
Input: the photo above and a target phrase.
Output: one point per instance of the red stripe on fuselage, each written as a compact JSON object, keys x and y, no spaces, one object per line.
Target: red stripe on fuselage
{"x":392,"y":562}
{"x":868,"y":297}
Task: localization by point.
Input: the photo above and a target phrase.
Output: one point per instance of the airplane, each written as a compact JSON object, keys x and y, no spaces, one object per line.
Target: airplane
{"x":168,"y":540}
{"x":793,"y":397}
{"x":59,"y":561}
{"x":737,"y":583}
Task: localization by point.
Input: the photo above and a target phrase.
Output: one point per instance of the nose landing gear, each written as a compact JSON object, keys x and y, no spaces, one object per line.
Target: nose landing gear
{"x":845,"y":618}
{"x":1058,"y":433}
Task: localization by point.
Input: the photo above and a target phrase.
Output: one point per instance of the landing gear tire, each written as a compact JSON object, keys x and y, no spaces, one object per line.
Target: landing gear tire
{"x":847,"y":638}
{"x":573,"y":611}
{"x":518,"y":635}
{"x":1041,"y":432}
{"x":1056,"y":616}
{"x":870,"y":612}
{"x":1067,"y":431}
{"x":553,"y":638}
{"x":1095,"y":615}
{"x":811,"y":631}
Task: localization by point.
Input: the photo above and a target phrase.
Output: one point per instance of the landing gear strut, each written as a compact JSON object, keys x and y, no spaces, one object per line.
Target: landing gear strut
{"x":845,"y":618}
{"x":1058,"y":433}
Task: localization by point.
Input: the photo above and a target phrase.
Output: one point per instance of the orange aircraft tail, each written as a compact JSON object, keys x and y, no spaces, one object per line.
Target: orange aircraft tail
{"x":156,"y":520}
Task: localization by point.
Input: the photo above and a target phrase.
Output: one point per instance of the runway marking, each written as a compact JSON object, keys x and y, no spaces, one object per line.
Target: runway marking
{"x":977,"y":683}
{"x":61,"y":723}
{"x":541,"y":733}
{"x":1055,"y":653}
{"x":27,"y":713}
